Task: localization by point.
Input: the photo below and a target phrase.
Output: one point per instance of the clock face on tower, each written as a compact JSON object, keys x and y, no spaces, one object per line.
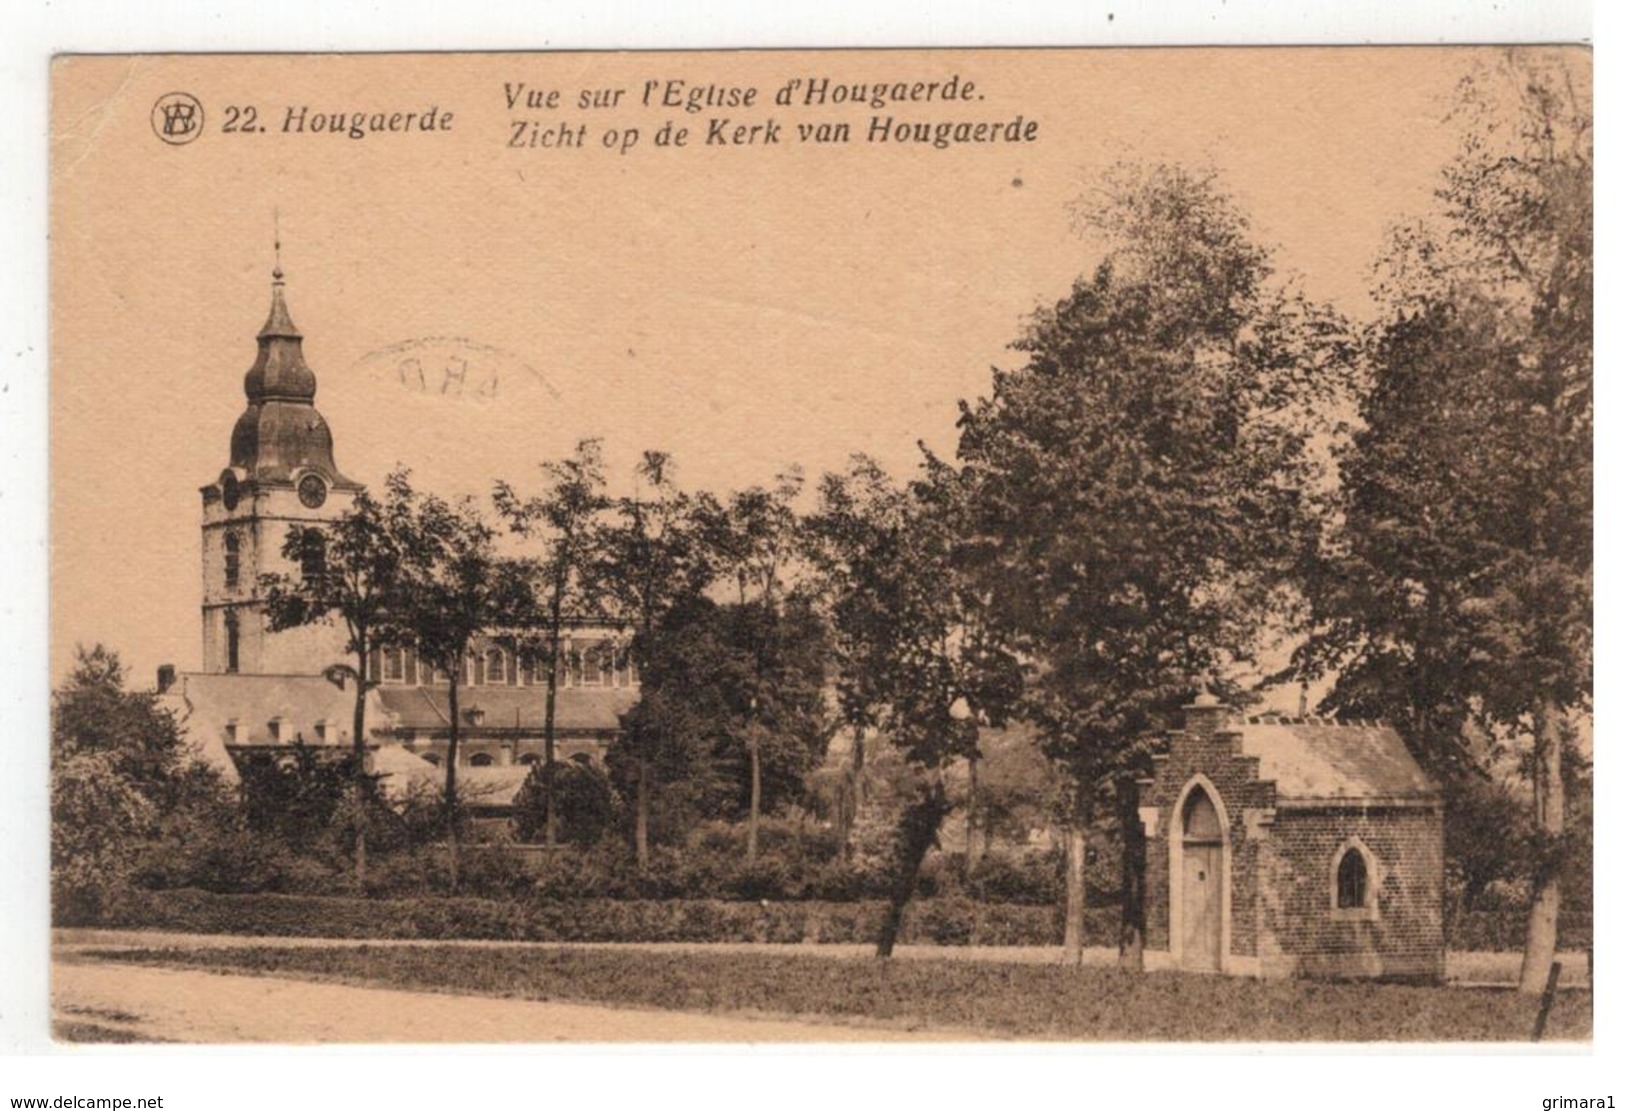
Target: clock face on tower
{"x":312,"y":491}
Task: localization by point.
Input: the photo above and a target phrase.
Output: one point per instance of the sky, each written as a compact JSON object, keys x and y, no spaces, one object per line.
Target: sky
{"x":744,"y":308}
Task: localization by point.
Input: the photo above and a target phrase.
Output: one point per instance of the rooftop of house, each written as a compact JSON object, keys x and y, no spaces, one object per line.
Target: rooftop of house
{"x":215,"y":710}
{"x":577,"y":709}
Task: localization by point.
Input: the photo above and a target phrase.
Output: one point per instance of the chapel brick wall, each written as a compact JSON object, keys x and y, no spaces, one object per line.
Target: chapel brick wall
{"x":1404,"y":939}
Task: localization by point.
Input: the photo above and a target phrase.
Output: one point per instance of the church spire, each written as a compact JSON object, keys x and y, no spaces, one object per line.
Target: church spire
{"x":280,"y":373}
{"x":280,"y":434}
{"x":279,"y":324}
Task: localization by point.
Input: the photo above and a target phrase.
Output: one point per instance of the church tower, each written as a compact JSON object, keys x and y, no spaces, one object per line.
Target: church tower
{"x":282,"y":478}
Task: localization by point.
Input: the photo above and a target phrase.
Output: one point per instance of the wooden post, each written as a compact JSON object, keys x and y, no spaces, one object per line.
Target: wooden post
{"x":1547,"y":998}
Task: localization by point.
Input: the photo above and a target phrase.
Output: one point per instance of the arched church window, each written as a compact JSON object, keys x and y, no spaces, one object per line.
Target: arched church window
{"x":431,"y":757}
{"x":481,"y":760}
{"x":1352,"y":880}
{"x":234,"y":559}
{"x":530,"y":759}
{"x":496,"y":666}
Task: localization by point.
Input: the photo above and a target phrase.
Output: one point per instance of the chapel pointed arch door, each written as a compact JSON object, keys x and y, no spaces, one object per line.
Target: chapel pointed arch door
{"x":1202,"y":881}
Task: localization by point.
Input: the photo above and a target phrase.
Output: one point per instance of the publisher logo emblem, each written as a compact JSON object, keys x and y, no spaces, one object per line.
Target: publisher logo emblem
{"x":177,"y":118}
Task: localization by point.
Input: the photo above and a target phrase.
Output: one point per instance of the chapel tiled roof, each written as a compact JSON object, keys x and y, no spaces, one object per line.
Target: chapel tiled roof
{"x":1324,"y":760}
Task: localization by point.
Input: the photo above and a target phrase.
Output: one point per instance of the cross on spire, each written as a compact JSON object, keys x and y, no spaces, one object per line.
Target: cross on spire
{"x":276,"y":242}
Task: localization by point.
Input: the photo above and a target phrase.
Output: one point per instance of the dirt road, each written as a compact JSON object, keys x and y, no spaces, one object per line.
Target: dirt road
{"x":171,"y":1005}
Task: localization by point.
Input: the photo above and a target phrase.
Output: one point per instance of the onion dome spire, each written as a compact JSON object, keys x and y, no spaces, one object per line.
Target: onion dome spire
{"x":280,"y":433}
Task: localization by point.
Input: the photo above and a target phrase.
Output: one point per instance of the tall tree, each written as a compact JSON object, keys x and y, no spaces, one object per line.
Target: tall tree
{"x":1140,"y":489}
{"x":454,"y":588}
{"x":934,"y":671}
{"x":1460,"y":595}
{"x":692,"y":725}
{"x":351,"y":572}
{"x":565,"y":520}
{"x":653,"y":560}
{"x":850,"y":538}
{"x":757,"y":540}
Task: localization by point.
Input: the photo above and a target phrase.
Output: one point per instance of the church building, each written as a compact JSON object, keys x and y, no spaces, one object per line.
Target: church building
{"x":260,"y":689}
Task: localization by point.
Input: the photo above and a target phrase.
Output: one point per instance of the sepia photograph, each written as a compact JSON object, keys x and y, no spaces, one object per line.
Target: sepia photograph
{"x":1069,"y":546}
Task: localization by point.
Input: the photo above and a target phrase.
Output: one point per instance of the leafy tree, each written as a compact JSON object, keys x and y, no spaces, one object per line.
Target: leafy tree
{"x":757,"y":540}
{"x":1486,"y":836}
{"x":721,"y":695}
{"x":99,"y":819}
{"x":1461,"y":593}
{"x":1140,"y":491}
{"x":934,"y":670}
{"x":93,"y":713}
{"x":653,"y":561}
{"x":454,"y":588}
{"x":295,"y":796}
{"x":849,"y":536}
{"x":581,"y":796}
{"x":357,"y":582}
{"x":120,"y":772}
{"x":780,"y":723}
{"x":565,"y":520}
{"x":1016,"y":791}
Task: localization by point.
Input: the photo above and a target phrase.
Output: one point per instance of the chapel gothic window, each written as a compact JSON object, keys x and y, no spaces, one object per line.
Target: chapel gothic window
{"x":1351,"y":880}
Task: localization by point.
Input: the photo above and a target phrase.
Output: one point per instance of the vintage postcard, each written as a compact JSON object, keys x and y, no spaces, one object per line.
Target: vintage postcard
{"x":836,"y":546}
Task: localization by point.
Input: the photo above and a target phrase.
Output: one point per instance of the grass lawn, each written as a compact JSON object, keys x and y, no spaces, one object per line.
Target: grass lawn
{"x":978,"y":998}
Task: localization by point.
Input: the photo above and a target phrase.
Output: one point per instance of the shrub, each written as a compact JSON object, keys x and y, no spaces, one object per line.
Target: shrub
{"x":764,"y":878}
{"x":844,"y":881}
{"x":1028,"y":877}
{"x":490,"y":871}
{"x":409,"y":872}
{"x":586,"y":803}
{"x":574,"y":874}
{"x":1503,"y":930}
{"x":97,"y":817}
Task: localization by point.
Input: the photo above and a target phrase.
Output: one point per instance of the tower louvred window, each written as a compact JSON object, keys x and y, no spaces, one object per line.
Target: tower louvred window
{"x":312,"y":555}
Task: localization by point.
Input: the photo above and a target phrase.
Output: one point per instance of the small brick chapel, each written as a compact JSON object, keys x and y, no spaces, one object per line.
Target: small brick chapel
{"x":1280,"y":846}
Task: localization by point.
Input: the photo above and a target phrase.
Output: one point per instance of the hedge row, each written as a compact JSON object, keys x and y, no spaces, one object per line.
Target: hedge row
{"x":938,"y":921}
{"x":941,"y":921}
{"x":1502,"y":931}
